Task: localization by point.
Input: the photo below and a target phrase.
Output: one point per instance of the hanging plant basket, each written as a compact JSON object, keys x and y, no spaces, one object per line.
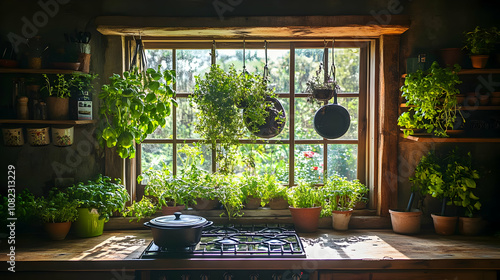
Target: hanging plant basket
{"x":323,"y":94}
{"x":275,"y":121}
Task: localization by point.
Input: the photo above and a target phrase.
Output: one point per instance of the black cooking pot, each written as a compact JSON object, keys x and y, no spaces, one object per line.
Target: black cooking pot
{"x":177,"y":231}
{"x":332,"y":121}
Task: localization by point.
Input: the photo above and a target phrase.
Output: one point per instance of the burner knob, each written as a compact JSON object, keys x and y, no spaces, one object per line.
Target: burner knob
{"x":228,"y":276}
{"x":203,"y":277}
{"x":296,"y":276}
{"x":276,"y":276}
{"x":185,"y":277}
{"x":254,"y":277}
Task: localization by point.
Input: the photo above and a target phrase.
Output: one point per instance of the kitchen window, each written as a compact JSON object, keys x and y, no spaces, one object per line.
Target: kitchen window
{"x":290,"y":64}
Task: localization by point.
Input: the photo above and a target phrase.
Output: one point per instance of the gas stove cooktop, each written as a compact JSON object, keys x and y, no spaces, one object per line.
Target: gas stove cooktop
{"x":248,"y":241}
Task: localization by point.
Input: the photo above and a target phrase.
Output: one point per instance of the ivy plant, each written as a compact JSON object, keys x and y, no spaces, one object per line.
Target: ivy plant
{"x":431,"y":99}
{"x":133,"y":106}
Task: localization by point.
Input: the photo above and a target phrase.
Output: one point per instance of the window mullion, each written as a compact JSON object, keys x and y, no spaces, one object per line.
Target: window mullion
{"x":174,"y":118}
{"x":291,"y":147}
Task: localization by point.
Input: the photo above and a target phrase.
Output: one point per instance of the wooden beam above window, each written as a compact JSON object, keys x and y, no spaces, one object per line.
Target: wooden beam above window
{"x":253,"y":27}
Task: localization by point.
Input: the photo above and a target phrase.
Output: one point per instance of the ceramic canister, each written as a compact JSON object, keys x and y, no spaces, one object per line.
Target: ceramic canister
{"x":13,"y":136}
{"x":62,"y":136}
{"x":38,"y":136}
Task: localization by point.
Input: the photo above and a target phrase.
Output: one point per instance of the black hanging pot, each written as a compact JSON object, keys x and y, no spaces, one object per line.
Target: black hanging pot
{"x":332,"y":121}
{"x":275,"y":121}
{"x":177,"y":231}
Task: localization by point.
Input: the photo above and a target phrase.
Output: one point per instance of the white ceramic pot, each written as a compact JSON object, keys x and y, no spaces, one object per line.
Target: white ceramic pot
{"x":13,"y":136}
{"x":38,"y":136}
{"x":62,"y":136}
{"x":340,"y":219}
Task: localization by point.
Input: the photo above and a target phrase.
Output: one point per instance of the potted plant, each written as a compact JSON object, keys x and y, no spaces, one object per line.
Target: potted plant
{"x":431,"y":98}
{"x":251,"y":188}
{"x":274,"y":193}
{"x":169,"y":192}
{"x":321,"y":87}
{"x":57,"y":211}
{"x":408,"y":220}
{"x":305,"y":206}
{"x":462,"y":180}
{"x":480,"y":42}
{"x":81,"y":86}
{"x":141,"y":209}
{"x":342,"y":196}
{"x":98,"y":200}
{"x":229,"y":194}
{"x":58,"y":99}
{"x":204,"y":192}
{"x":133,"y":106}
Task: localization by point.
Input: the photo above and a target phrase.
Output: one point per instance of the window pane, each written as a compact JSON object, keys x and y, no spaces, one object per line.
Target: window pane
{"x":342,"y":159}
{"x":309,"y":163}
{"x":304,"y":119}
{"x":266,"y":159}
{"x":203,"y":160}
{"x":278,"y":63}
{"x":191,"y":63}
{"x":155,"y":155}
{"x":307,"y":61}
{"x":254,"y":60}
{"x":159,"y":57}
{"x":186,"y":118}
{"x":351,"y":104}
{"x":347,"y":68}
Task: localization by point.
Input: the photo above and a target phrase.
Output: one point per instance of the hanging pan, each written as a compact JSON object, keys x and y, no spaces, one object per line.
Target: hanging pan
{"x":332,"y":121}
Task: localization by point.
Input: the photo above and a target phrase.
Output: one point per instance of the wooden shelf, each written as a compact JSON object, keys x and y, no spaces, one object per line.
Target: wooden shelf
{"x":38,"y":71}
{"x":465,"y":108}
{"x":473,"y":72}
{"x":63,"y":122}
{"x":428,"y":139}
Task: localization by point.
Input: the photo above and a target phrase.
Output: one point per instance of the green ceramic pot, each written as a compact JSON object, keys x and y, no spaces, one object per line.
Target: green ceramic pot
{"x":88,"y":223}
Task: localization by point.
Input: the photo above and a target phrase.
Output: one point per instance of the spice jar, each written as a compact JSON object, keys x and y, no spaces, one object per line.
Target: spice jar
{"x":22,"y":108}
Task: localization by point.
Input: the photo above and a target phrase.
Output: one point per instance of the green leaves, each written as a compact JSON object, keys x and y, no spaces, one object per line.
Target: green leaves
{"x":431,"y":100}
{"x":481,"y":40}
{"x":133,"y":106}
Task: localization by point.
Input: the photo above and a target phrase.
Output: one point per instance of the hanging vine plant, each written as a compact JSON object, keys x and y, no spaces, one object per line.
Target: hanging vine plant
{"x":133,"y":106}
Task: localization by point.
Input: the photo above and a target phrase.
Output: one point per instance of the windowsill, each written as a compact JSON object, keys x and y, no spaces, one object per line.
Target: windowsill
{"x":361,"y":219}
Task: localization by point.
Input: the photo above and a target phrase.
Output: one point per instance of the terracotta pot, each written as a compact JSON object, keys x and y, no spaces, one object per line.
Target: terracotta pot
{"x":479,"y":61}
{"x":205,"y":204}
{"x":57,"y":231}
{"x":84,"y":59}
{"x":451,"y":56}
{"x":305,"y":219}
{"x":170,"y":210}
{"x":253,"y":203}
{"x":340,"y":219}
{"x":470,"y":226}
{"x":444,"y":225}
{"x":278,"y":203}
{"x":406,"y":222}
{"x":58,"y":108}
{"x":460,"y":99}
{"x":484,"y":99}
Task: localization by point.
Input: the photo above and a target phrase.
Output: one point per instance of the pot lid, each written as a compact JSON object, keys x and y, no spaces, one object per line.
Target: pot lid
{"x":179,"y":221}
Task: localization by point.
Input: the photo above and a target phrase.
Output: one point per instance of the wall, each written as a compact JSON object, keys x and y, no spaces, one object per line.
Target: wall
{"x":435,"y":24}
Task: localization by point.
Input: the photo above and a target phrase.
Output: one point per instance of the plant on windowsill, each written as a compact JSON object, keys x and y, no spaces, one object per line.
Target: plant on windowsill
{"x":57,"y":211}
{"x":58,"y":91}
{"x":170,"y":193}
{"x":251,"y":188}
{"x":321,"y":87}
{"x":133,"y":106}
{"x":342,"y":196}
{"x":229,"y":194}
{"x":480,"y":42}
{"x":274,"y":193}
{"x":432,"y":101}
{"x":305,"y":206}
{"x":98,"y":200}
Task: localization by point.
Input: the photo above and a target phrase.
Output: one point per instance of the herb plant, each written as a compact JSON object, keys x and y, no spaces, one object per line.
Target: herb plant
{"x":57,"y":207}
{"x":229,"y":194}
{"x":481,"y":41}
{"x":102,"y":194}
{"x":431,"y":100}
{"x":342,"y":194}
{"x":168,"y":190}
{"x":321,"y":83}
{"x":272,"y":189}
{"x":133,"y":106}
{"x":58,"y":87}
{"x":305,"y":196}
{"x":141,"y":209}
{"x":82,"y":82}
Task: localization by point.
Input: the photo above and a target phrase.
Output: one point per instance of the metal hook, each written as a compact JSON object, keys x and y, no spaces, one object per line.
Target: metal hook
{"x":244,"y":67}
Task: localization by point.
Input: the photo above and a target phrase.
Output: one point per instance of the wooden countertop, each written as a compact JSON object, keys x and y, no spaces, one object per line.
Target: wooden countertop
{"x":326,"y":249}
